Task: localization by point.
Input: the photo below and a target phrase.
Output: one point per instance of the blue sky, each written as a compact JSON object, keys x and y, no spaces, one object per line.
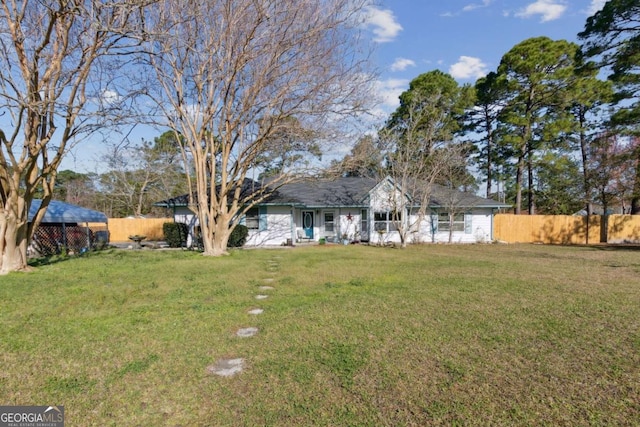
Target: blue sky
{"x":465,"y":38}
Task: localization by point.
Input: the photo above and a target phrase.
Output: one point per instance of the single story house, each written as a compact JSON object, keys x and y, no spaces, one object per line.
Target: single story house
{"x":355,"y":209}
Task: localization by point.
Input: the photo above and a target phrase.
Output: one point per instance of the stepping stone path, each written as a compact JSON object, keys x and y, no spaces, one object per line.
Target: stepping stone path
{"x":230,"y":367}
{"x":226,"y":367}
{"x":247,"y":332}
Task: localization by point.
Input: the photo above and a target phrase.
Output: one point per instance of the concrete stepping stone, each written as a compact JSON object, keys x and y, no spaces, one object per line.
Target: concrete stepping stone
{"x":256,"y":311}
{"x":226,"y":367}
{"x":247,"y":332}
{"x":266,"y":288}
{"x":269,"y":280}
{"x":262,"y":296}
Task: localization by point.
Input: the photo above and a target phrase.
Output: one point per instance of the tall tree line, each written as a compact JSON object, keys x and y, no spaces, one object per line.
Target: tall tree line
{"x":544,"y":131}
{"x":550,"y":132}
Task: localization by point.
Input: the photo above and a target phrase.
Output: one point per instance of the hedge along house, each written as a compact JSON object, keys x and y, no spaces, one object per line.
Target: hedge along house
{"x":66,"y":226}
{"x":354,"y":209}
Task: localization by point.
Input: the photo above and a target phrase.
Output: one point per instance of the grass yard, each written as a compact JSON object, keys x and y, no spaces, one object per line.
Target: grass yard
{"x":350,"y":336}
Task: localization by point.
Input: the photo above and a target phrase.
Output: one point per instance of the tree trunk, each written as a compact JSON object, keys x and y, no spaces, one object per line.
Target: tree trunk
{"x":635,"y":196}
{"x":519,"y":176}
{"x":215,"y":234}
{"x":586,"y":181}
{"x":489,"y":156}
{"x":531,"y":200}
{"x":584,"y":153}
{"x":216,"y":248}
{"x":403,"y":232}
{"x":13,"y":243}
{"x":489,"y":177}
{"x":604,"y":228}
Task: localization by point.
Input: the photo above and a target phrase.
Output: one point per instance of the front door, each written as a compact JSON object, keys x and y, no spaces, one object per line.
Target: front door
{"x":307,"y":224}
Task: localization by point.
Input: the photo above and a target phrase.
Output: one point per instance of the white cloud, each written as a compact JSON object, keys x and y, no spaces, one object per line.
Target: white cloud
{"x":385,"y":26}
{"x":549,"y":9}
{"x":110,"y":97}
{"x":473,"y":6}
{"x":595,"y":6}
{"x":468,"y":67}
{"x":401,"y":64}
{"x":388,"y":92}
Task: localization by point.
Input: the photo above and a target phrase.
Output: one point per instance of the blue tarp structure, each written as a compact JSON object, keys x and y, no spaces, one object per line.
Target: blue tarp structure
{"x":64,"y":228}
{"x":61,"y":212}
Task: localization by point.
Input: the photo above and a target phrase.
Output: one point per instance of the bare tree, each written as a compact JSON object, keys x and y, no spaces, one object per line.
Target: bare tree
{"x":454,"y":181}
{"x":49,"y":54}
{"x":140,"y":174}
{"x":416,"y":143}
{"x":414,"y":173}
{"x":364,"y":160}
{"x":232,"y":75}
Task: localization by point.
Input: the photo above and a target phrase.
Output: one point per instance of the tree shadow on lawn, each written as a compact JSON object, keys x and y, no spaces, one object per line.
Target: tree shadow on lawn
{"x":614,"y":247}
{"x":55,"y":259}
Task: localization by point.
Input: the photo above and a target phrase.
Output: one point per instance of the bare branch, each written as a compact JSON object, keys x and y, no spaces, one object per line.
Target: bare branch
{"x":230,"y":77}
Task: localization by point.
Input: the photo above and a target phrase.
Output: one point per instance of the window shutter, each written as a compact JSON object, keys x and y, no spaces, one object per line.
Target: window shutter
{"x":468,"y":228}
{"x":262,"y":212}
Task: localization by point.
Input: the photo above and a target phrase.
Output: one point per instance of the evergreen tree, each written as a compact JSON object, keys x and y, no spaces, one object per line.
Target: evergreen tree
{"x":538,"y":76}
{"x":611,"y":36}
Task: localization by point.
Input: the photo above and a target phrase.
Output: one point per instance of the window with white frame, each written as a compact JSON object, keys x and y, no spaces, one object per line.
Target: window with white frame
{"x":252,"y":219}
{"x":386,"y":221}
{"x":453,"y":222}
{"x":329,"y":223}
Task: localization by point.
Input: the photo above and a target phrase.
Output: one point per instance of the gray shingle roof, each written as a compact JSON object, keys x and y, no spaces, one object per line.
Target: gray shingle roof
{"x":442,"y":197}
{"x":330,"y":193}
{"x":348,"y":192}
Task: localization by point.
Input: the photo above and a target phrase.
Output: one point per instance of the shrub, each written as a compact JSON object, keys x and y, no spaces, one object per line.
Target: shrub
{"x":238,"y":236}
{"x":175,"y":234}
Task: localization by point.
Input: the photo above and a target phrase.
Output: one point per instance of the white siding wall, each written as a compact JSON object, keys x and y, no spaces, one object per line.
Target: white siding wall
{"x":341,"y":223}
{"x":279,"y":228}
{"x":277,"y":232}
{"x":480,"y":230}
{"x":350,"y":227}
{"x":382,"y":201}
{"x":185,"y":216}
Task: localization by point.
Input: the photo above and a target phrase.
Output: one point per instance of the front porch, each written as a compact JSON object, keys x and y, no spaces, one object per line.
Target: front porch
{"x":331,"y":225}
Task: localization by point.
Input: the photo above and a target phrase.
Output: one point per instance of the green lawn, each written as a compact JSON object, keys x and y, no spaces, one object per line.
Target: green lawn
{"x":351,"y":335}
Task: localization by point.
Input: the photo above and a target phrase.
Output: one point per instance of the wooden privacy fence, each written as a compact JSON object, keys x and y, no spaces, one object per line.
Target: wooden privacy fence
{"x":566,"y":229}
{"x":552,"y":229}
{"x":121,"y":228}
